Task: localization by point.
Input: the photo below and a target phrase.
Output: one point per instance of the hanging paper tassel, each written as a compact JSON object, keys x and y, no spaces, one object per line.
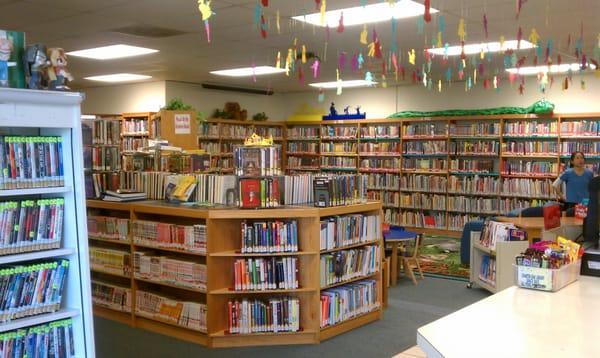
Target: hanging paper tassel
{"x":448,"y":75}
{"x":318,"y":5}
{"x":584,"y":63}
{"x":519,"y":6}
{"x":361,"y":60}
{"x":257,"y":13}
{"x":265,"y":3}
{"x":321,"y":96}
{"x":439,"y":40}
{"x":439,"y":85}
{"x":412,"y":57}
{"x":288,"y":62}
{"x":565,"y":85}
{"x":549,"y":46}
{"x":368,"y":77}
{"x":519,"y":38}
{"x":277,"y":17}
{"x":402,"y":73}
{"x":395,"y":63}
{"x":278,"y":60}
{"x":521,"y":89}
{"x":206,"y":12}
{"x":414,"y":77}
{"x":363,"y":35}
{"x":300,"y":75}
{"x":263,"y":27}
{"x":354,"y":63}
{"x":339,"y":81}
{"x":462,"y":32}
{"x":534,"y":36}
{"x":513,"y":60}
{"x":371,"y":52}
{"x":207,"y":30}
{"x":340,"y":27}
{"x":427,"y":14}
{"x":342,"y":61}
{"x":383,"y":81}
{"x":496,"y":82}
{"x":303,"y":53}
{"x":323,"y":8}
{"x":512,"y":77}
{"x":559,"y":60}
{"x":420,"y":25}
{"x":315,"y":68}
{"x":377,"y":47}
{"x":485,"y":26}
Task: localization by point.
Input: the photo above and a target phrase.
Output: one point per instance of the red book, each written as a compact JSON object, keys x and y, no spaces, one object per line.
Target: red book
{"x":551,"y":216}
{"x":250,"y":193}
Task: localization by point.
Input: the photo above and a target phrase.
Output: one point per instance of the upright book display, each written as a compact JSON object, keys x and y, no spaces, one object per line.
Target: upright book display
{"x":42,"y":186}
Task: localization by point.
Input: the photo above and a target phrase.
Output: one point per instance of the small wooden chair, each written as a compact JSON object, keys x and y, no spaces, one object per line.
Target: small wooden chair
{"x":411,"y":259}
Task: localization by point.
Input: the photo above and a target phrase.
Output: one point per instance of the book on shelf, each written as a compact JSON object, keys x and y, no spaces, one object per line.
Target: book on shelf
{"x":339,"y":190}
{"x":121,"y":197}
{"x":170,"y":270}
{"x":487,"y":270}
{"x":269,"y":236}
{"x":298,"y":189}
{"x":531,"y":127}
{"x":108,"y":228}
{"x":31,"y":225}
{"x":190,"y":238}
{"x":345,"y":302}
{"x":494,"y":232}
{"x":257,"y":161}
{"x":115,"y":297}
{"x":54,"y":339}
{"x":260,"y":192}
{"x":32,"y":289}
{"x":186,"y":314}
{"x":110,"y":260}
{"x":281,"y":314}
{"x":31,"y":162}
{"x":420,"y":182}
{"x":267,"y":273}
{"x":340,"y":231}
{"x":344,"y":265}
{"x":179,"y":188}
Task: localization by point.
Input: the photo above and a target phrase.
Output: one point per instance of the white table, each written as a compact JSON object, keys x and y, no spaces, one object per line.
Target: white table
{"x":518,"y":322}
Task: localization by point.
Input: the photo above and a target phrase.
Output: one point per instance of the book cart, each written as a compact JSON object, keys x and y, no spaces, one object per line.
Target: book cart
{"x":223,"y":237}
{"x":48,"y":119}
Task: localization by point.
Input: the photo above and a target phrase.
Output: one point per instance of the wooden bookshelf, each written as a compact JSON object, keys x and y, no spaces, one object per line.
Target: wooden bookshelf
{"x":223,"y":248}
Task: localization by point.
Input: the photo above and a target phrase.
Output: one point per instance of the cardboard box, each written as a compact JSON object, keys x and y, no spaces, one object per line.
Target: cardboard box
{"x":547,"y":279}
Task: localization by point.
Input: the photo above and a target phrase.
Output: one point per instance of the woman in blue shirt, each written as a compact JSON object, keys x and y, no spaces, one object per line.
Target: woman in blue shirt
{"x":577,"y":179}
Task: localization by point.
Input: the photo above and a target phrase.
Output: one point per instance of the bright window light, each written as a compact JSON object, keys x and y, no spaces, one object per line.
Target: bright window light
{"x":249,"y":71}
{"x":471,"y":49}
{"x":118,"y":77}
{"x":343,"y":84}
{"x":359,"y":15}
{"x":112,"y":52}
{"x":562,"y":68}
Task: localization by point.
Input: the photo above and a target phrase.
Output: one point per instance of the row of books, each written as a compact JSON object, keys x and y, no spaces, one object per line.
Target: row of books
{"x":298,"y":189}
{"x":164,"y":269}
{"x":235,"y":131}
{"x":530,"y":148}
{"x":387,"y":198}
{"x":270,"y":273}
{"x":50,"y":340}
{"x":428,"y":129}
{"x":471,"y":204}
{"x":339,"y":190}
{"x":116,"y":262}
{"x":260,"y":192}
{"x":31,"y":225}
{"x":211,"y":147}
{"x":523,"y":167}
{"x":589,"y":148}
{"x":338,"y":147}
{"x":340,"y":231}
{"x":191,"y":238}
{"x":456,"y":222}
{"x":423,"y":183}
{"x":383,"y":164}
{"x":380,"y":131}
{"x":473,"y":184}
{"x":433,"y":164}
{"x":108,"y":228}
{"x":257,"y":161}
{"x":531,"y":127}
{"x":371,"y":148}
{"x":383,"y":181}
{"x":303,"y":132}
{"x":345,"y":302}
{"x":346,"y":265}
{"x":495,"y":231}
{"x":134,"y":126}
{"x":280,"y":314}
{"x":472,"y":165}
{"x":487,"y":270}
{"x":111,"y":296}
{"x":138,"y":162}
{"x":210,"y":130}
{"x":581,"y":127}
{"x":471,"y":147}
{"x":303,"y":147}
{"x":421,"y":219}
{"x":425,"y":147}
{"x":338,"y":162}
{"x":131,"y":144}
{"x":103,"y":131}
{"x":98,"y":183}
{"x":102,"y":158}
{"x":269,"y":236}
{"x":31,"y":162}
{"x":31,"y":289}
{"x":191,"y":315}
{"x":339,"y":132}
{"x":390,"y":216}
{"x":528,"y":187}
{"x":423,"y":201}
{"x":475,"y":129}
{"x":264,"y":131}
{"x":507,"y":204}
{"x":303,"y":163}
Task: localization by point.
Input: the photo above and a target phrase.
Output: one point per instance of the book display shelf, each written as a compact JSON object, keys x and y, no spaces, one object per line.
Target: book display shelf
{"x":101,"y":135}
{"x":43,"y":184}
{"x":245,"y":277}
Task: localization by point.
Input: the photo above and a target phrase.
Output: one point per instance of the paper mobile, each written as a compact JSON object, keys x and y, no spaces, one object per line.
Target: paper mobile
{"x":206,"y":12}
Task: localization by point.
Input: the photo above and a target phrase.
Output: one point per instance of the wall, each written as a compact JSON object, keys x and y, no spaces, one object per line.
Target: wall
{"x":207,"y":101}
{"x":138,"y":97}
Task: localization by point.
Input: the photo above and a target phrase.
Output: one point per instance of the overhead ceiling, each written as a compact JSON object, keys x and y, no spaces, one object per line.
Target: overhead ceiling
{"x":236,"y":41}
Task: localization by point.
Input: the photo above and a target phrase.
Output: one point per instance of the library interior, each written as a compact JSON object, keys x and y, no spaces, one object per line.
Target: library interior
{"x":166,"y":168}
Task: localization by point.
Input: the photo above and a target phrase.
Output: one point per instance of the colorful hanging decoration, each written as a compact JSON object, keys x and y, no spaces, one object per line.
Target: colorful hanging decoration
{"x":300,"y":75}
{"x":323,"y":9}
{"x":427,"y":14}
{"x":265,"y":3}
{"x":360,"y":60}
{"x":363,"y":35}
{"x":439,"y":40}
{"x":278,"y":60}
{"x":549,"y":47}
{"x":339,"y":81}
{"x":395,"y":64}
{"x":340,"y":27}
{"x":521,"y":88}
{"x":354,"y":63}
{"x":420,"y":25}
{"x":462,"y":32}
{"x":342,"y":61}
{"x":448,"y":75}
{"x":303,"y":53}
{"x":318,"y":5}
{"x":383,"y":81}
{"x":288,"y":62}
{"x":206,"y":12}
{"x":461,"y":70}
{"x":534,"y":36}
{"x":257,"y":13}
{"x":439,"y":85}
{"x":496,"y":82}
{"x":315,"y":68}
{"x":277,"y":17}
{"x":485,"y":26}
{"x":565,"y":84}
{"x":368,"y":77}
{"x":412,"y":57}
{"x":519,"y":6}
{"x":519,"y":37}
{"x":321,"y":97}
{"x":263,"y":26}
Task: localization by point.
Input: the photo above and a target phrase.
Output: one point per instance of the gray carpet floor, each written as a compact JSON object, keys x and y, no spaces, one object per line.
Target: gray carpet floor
{"x":409,"y":308}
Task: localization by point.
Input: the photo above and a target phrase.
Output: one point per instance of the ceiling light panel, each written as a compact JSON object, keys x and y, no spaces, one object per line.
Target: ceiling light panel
{"x":343,"y":84}
{"x":112,"y":52}
{"x":249,"y":71}
{"x":118,"y":77}
{"x":471,"y":49}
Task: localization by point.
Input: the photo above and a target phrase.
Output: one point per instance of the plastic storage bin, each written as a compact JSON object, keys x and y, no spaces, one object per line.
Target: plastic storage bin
{"x":547,"y":279}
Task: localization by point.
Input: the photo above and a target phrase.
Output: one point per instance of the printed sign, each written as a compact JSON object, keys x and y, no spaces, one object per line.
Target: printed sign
{"x":533,"y":277}
{"x":183,"y":124}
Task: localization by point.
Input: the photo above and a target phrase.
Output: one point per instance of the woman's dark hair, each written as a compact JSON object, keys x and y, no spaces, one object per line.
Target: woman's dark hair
{"x":573,"y":157}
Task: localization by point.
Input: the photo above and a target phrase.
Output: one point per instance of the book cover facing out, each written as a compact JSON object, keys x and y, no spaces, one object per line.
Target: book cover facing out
{"x":321,"y":192}
{"x":16,"y":71}
{"x":250,"y":193}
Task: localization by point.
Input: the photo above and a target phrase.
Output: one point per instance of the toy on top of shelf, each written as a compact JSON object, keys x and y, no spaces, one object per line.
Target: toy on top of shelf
{"x":6,"y":47}
{"x":333,"y":115}
{"x":35,"y":62}
{"x":57,"y":73}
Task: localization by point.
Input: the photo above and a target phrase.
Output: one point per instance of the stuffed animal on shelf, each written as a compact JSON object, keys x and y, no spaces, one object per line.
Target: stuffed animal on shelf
{"x":35,"y":63}
{"x":57,"y":73}
{"x":6,"y":47}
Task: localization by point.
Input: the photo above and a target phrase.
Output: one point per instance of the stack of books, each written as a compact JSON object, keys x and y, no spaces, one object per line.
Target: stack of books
{"x":123,"y":195}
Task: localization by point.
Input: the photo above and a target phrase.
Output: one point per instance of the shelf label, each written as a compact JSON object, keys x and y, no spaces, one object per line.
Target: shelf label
{"x":182,"y":123}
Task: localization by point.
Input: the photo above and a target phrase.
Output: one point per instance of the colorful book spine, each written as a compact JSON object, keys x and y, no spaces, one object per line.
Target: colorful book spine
{"x":379,"y":148}
{"x":425,"y":130}
{"x":471,"y":204}
{"x":425,"y":147}
{"x":340,"y":231}
{"x":257,"y":161}
{"x":338,"y":162}
{"x":529,"y":168}
{"x":160,"y":235}
{"x":248,"y":316}
{"x":301,"y":132}
{"x":384,"y":165}
{"x":422,"y":201}
{"x":191,"y":315}
{"x":472,"y":165}
{"x":582,"y":127}
{"x":208,"y":130}
{"x":422,"y":219}
{"x":303,"y":147}
{"x":110,"y":261}
{"x":456,"y":222}
{"x":510,"y":204}
{"x":487,"y":270}
{"x":427,"y":164}
{"x":111,"y":296}
{"x":136,"y":126}
{"x":589,"y":148}
{"x":52,"y":340}
{"x":350,"y":264}
{"x":31,"y":225}
{"x":471,"y":147}
{"x":475,"y":129}
{"x":380,"y":131}
{"x":383,"y":182}
{"x":273,"y":132}
{"x":27,"y":290}
{"x":339,"y":132}
{"x":546,"y":148}
{"x":473,"y":185}
{"x":339,"y":190}
{"x":302,"y":163}
{"x":387,"y":198}
{"x":106,"y":132}
{"x":338,"y":147}
{"x":429,"y":183}
{"x":345,"y":302}
{"x":162,"y":269}
{"x":531,"y":128}
{"x":267,"y":273}
{"x":538,"y":188}
{"x":269,"y":236}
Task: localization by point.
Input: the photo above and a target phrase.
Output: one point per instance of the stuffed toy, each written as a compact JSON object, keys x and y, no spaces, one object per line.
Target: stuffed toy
{"x":57,"y":73}
{"x":35,"y":62}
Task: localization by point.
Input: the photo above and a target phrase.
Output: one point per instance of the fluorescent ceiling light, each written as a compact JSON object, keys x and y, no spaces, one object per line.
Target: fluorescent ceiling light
{"x":112,"y":52}
{"x":562,"y":68}
{"x":359,"y":15}
{"x":486,"y":47}
{"x":118,"y":77}
{"x":344,"y":84}
{"x":249,"y":71}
